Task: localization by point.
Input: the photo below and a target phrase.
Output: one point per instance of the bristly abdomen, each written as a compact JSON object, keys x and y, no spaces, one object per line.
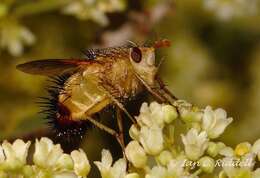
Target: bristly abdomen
{"x":58,"y":115}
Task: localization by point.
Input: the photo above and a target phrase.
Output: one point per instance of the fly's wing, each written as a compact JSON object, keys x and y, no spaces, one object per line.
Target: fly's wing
{"x":50,"y":67}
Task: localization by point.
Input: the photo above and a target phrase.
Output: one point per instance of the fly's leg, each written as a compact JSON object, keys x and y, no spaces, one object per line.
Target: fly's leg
{"x":163,"y":87}
{"x":110,"y":131}
{"x":121,"y":129}
{"x":161,"y":98}
{"x":118,"y":104}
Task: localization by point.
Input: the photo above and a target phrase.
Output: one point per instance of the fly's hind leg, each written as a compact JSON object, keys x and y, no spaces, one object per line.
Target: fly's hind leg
{"x":118,"y":103}
{"x":112,"y":132}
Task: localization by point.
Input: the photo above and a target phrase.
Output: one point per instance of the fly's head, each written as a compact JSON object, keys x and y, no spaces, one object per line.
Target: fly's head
{"x":143,"y":62}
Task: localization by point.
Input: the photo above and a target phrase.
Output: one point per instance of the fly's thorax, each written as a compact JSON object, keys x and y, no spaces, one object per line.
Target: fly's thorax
{"x":119,"y":78}
{"x":143,"y":62}
{"x":82,"y":96}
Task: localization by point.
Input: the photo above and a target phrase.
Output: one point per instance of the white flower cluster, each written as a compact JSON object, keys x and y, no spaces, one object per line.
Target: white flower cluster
{"x":48,"y":158}
{"x":93,"y":9}
{"x":228,"y":9}
{"x":157,"y":152}
{"x":159,"y":149}
{"x":13,"y":36}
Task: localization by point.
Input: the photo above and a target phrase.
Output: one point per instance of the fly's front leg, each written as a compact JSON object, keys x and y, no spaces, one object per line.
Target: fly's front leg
{"x":121,"y":129}
{"x":163,"y":88}
{"x":157,"y":94}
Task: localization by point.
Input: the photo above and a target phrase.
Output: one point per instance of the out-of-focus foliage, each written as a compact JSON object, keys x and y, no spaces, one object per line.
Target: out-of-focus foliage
{"x":213,"y":60}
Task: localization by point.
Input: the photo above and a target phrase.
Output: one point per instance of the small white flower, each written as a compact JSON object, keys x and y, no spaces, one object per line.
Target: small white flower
{"x":136,"y":154}
{"x":152,"y":139}
{"x":215,"y":122}
{"x":195,"y":143}
{"x":151,"y":115}
{"x":81,"y":163}
{"x":46,"y":153}
{"x":118,"y":170}
{"x":15,"y":154}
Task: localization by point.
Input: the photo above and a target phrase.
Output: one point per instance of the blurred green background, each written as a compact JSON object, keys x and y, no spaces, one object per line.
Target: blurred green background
{"x":214,"y":58}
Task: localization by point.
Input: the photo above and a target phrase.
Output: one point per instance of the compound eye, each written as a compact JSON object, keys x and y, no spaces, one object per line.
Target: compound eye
{"x":136,"y":54}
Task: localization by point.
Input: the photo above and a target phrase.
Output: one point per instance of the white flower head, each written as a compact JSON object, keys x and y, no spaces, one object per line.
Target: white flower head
{"x":195,"y":143}
{"x":215,"y":122}
{"x":107,"y":170}
{"x":15,"y":154}
{"x":136,"y":154}
{"x":81,"y":163}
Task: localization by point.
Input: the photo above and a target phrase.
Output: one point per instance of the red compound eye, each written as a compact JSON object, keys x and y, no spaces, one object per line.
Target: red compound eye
{"x":136,"y":54}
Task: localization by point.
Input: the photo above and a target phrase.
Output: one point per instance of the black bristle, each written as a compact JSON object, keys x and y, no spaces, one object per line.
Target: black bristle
{"x":66,"y":132}
{"x":90,"y":54}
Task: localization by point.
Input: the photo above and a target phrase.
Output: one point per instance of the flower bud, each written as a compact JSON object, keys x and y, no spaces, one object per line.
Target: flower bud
{"x":170,"y":113}
{"x":214,"y":148}
{"x":207,"y":164}
{"x":242,"y":148}
{"x":165,"y":157}
{"x":134,"y":132}
{"x":136,"y":154}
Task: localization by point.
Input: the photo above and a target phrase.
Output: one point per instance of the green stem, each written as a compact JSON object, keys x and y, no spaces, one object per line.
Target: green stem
{"x":38,"y":7}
